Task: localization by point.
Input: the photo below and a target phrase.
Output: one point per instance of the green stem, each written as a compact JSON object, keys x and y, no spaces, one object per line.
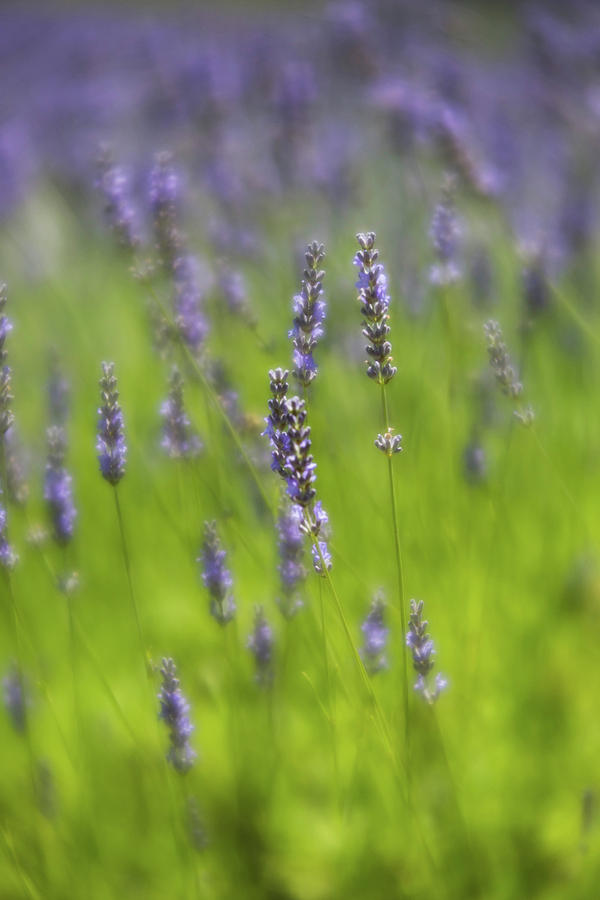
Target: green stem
{"x":126,"y":560}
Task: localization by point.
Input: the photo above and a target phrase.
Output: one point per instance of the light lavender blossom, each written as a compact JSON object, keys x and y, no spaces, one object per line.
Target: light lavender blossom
{"x":179,"y":440}
{"x":215,"y":575}
{"x":110,"y":444}
{"x":113,"y":184}
{"x":292,"y":571}
{"x":16,"y":459}
{"x":321,"y":558}
{"x":423,"y":653}
{"x":8,"y":557}
{"x":309,"y":314}
{"x":57,"y":487}
{"x":445,"y":234}
{"x":174,"y":710}
{"x":190,"y":320}
{"x":165,"y":200}
{"x":15,"y":700}
{"x":260,"y":643}
{"x":6,"y":396}
{"x":375,"y":635}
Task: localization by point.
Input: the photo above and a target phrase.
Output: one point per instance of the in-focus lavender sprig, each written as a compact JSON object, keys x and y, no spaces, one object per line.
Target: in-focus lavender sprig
{"x":179,"y":440}
{"x":111,"y":446}
{"x":215,"y":575}
{"x":375,"y":634}
{"x":299,"y":465}
{"x":174,"y":710}
{"x":374,"y":300}
{"x":309,"y":315}
{"x":423,"y":653}
{"x":278,"y":420}
{"x":260,"y":643}
{"x":58,"y":492}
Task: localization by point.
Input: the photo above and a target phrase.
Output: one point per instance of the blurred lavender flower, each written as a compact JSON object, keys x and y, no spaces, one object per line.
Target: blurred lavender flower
{"x":8,"y":557}
{"x":423,"y":653}
{"x":6,"y":397}
{"x":119,"y":213}
{"x":110,"y":444}
{"x":232,"y":287}
{"x":215,"y":576}
{"x":474,"y":462}
{"x":500,"y":360}
{"x":190,"y":321}
{"x":445,"y":233}
{"x":260,"y":643}
{"x":534,"y":280}
{"x":165,"y":199}
{"x":375,"y":635}
{"x":374,"y":300}
{"x":58,"y":392}
{"x":15,"y":700}
{"x":309,"y":309}
{"x":174,"y":710}
{"x":291,"y":553}
{"x":178,"y":438}
{"x":57,"y":487}
{"x":278,"y":420}
{"x":17,"y":489}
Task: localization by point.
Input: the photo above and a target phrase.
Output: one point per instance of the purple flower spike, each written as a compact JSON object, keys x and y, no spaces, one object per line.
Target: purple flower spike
{"x":57,"y":487}
{"x":291,"y":554}
{"x":165,"y":199}
{"x":215,"y":576}
{"x":309,"y":315}
{"x":260,"y":643}
{"x":6,"y":397}
{"x":375,"y":638}
{"x":119,"y":213}
{"x":423,"y":653}
{"x":320,"y":556}
{"x":174,"y":710}
{"x":374,"y":303}
{"x":445,"y":233}
{"x":110,"y":444}
{"x":178,"y":438}
{"x":300,"y":465}
{"x":15,"y":699}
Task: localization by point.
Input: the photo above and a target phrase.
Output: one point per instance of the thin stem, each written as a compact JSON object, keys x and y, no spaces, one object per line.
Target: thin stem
{"x":399,"y":570}
{"x":126,"y":560}
{"x":328,"y":684}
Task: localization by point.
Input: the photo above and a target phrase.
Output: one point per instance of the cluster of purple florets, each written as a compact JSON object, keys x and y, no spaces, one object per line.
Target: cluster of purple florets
{"x":111,"y":446}
{"x":174,"y":710}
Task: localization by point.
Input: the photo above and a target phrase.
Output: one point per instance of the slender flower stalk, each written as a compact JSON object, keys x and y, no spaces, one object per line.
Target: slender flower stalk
{"x":111,"y":446}
{"x":375,"y":635}
{"x":215,"y":576}
{"x":423,"y":654}
{"x":174,"y":710}
{"x":260,"y":643}
{"x":309,"y":315}
{"x":179,"y":440}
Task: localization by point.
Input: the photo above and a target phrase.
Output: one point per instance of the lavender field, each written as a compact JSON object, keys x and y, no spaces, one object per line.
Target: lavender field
{"x":299,"y":464}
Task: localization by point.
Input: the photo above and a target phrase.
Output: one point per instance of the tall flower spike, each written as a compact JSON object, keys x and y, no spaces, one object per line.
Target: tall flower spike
{"x":291,"y":554}
{"x":110,"y":444}
{"x":278,"y":420}
{"x":374,"y":300}
{"x":500,"y":360}
{"x":57,"y":487}
{"x":445,"y":233}
{"x":178,"y":438}
{"x":260,"y":643}
{"x":423,"y":653}
{"x":375,"y":635}
{"x":174,"y":710}
{"x":215,"y":576}
{"x":6,"y":397}
{"x":164,"y":206}
{"x":119,"y":213}
{"x":309,"y":315}
{"x":300,"y":465}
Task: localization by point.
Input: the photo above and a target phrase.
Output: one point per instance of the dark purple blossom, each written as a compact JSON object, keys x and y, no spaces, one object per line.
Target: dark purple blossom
{"x":215,"y":575}
{"x":110,"y":443}
{"x":374,"y":303}
{"x":57,"y":487}
{"x":423,"y":653}
{"x":299,"y":465}
{"x":174,"y":710}
{"x":278,"y":420}
{"x":178,"y":438}
{"x":260,"y":643}
{"x":309,"y":315}
{"x":375,"y":635}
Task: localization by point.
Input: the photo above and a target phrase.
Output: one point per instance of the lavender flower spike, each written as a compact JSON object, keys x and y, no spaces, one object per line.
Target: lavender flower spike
{"x":178,"y":439}
{"x":500,"y":360}
{"x":375,"y":638}
{"x":216,"y":577}
{"x":444,"y":233}
{"x":57,"y":487}
{"x":110,"y":444}
{"x":174,"y":710}
{"x":309,"y":315}
{"x":114,"y":187}
{"x":374,"y":300}
{"x":321,"y":558}
{"x":291,"y":552}
{"x":15,"y":699}
{"x":423,"y":653}
{"x":278,"y":420}
{"x":6,"y":397}
{"x":8,"y":557}
{"x":165,"y":198}
{"x":260,"y":643}
{"x":300,"y":465}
